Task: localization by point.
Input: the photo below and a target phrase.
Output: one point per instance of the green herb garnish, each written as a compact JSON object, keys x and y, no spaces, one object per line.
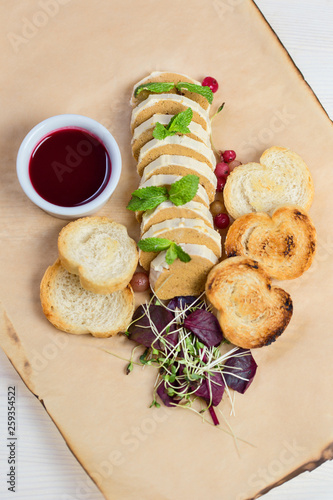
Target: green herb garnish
{"x":205,"y":91}
{"x":155,"y":87}
{"x":177,"y":125}
{"x":180,"y":192}
{"x":148,"y":198}
{"x":184,"y":190}
{"x":174,"y":251}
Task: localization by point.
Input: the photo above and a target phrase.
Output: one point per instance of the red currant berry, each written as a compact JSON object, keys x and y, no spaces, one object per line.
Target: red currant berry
{"x":221,"y":221}
{"x":222,"y":170}
{"x":221,"y":183}
{"x":210,"y":82}
{"x":229,"y":156}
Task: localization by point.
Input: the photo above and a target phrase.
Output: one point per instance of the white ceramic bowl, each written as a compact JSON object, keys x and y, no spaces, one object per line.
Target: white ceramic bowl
{"x":54,"y":123}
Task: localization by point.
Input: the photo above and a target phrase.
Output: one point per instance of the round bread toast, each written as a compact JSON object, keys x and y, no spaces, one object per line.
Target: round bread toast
{"x":251,"y":312}
{"x":72,"y":309}
{"x":284,"y":245}
{"x":100,"y":252}
{"x":281,"y":178}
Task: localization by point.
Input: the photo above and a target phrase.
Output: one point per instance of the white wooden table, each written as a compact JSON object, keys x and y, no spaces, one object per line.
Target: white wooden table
{"x":46,"y":468}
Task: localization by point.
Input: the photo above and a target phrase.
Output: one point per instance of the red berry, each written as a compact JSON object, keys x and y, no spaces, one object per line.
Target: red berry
{"x":221,"y":221}
{"x":140,"y":282}
{"x":229,"y":156}
{"x":210,"y":82}
{"x":221,"y":183}
{"x":222,"y":170}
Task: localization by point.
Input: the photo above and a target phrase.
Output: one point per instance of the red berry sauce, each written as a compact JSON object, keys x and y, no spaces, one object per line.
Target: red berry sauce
{"x":69,"y":167}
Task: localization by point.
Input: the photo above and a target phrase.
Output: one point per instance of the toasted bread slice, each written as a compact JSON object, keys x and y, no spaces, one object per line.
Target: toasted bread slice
{"x":167,"y":76}
{"x":183,"y":165}
{"x":284,"y":245}
{"x":144,"y":133}
{"x":181,"y":278}
{"x":281,"y":178}
{"x":100,"y":251}
{"x":167,"y":210}
{"x":251,"y":312}
{"x":72,"y":309}
{"x":175,"y":145}
{"x":168,"y":104}
{"x":193,"y":231}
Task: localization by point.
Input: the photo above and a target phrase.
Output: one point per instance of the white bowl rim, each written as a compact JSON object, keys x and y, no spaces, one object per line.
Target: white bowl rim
{"x":54,"y":123}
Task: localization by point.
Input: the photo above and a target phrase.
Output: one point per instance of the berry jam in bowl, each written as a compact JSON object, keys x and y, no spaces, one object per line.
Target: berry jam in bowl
{"x":69,"y":165}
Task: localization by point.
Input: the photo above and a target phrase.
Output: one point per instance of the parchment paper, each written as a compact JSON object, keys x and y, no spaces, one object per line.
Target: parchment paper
{"x":78,"y":56}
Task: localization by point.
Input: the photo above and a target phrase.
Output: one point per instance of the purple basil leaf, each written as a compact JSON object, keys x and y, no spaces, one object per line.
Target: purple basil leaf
{"x":167,"y":400}
{"x":141,"y":332}
{"x":217,"y":389}
{"x":243,"y":366}
{"x":205,"y":326}
{"x":182,"y":302}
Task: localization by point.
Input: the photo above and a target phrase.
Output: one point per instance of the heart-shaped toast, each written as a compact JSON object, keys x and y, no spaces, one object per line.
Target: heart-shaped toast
{"x":251,"y":312}
{"x":284,"y":245}
{"x":281,"y":178}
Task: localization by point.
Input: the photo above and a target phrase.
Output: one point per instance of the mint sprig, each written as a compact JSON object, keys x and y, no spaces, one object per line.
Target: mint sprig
{"x":154,"y":244}
{"x":155,"y":87}
{"x":177,"y":125}
{"x":171,"y":254}
{"x":179,"y":193}
{"x":174,"y":251}
{"x":148,"y":198}
{"x":184,"y":190}
{"x":205,"y":91}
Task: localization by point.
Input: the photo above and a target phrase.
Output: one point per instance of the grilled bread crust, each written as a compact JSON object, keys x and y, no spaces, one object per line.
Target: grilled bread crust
{"x":284,"y":245}
{"x":252,"y":313}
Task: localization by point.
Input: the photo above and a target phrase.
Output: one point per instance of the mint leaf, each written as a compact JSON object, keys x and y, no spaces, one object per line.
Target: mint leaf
{"x":184,"y":190}
{"x":179,"y":122}
{"x":156,"y":87}
{"x":160,"y":132}
{"x":147,"y":198}
{"x":198,"y":89}
{"x":138,"y":205}
{"x":150,"y":192}
{"x":174,"y":251}
{"x":180,"y":192}
{"x":183,"y":256}
{"x":154,"y":244}
{"x":171,"y":254}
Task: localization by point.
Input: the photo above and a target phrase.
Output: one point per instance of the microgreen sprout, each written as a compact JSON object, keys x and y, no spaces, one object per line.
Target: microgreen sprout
{"x":187,"y":368}
{"x":184,"y":341}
